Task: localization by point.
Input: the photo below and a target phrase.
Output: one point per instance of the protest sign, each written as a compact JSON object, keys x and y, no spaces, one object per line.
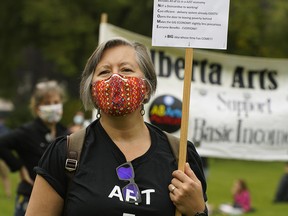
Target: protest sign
{"x":240,"y":103}
{"x":187,"y":23}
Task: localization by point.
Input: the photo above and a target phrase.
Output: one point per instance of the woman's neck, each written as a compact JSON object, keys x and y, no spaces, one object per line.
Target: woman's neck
{"x":126,"y":126}
{"x":130,"y":134}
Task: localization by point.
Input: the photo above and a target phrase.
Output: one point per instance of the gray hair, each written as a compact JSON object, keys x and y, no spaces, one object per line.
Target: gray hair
{"x":42,"y":90}
{"x":143,"y":59}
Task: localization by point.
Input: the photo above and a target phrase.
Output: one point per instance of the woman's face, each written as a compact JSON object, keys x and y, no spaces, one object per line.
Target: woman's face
{"x":237,"y":186}
{"x":117,"y":60}
{"x":118,"y":84}
{"x":50,"y":109}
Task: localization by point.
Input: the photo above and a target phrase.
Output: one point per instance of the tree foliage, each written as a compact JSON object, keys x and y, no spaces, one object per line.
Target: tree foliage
{"x":258,"y":28}
{"x":53,"y":38}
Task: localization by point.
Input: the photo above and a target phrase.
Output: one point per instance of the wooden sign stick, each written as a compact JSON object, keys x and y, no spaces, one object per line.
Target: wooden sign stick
{"x":185,"y":111}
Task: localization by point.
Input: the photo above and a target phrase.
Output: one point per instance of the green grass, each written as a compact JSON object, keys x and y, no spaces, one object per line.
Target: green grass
{"x":7,"y":204}
{"x":262,"y":179}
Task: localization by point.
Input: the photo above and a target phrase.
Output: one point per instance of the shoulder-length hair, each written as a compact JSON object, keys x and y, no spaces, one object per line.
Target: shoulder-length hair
{"x":143,"y":59}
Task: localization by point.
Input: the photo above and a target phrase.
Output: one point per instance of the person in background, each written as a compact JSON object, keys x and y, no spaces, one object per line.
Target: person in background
{"x":4,"y":175}
{"x":281,"y":194}
{"x":127,"y":166}
{"x":4,"y":170}
{"x":78,"y":122}
{"x":241,"y":199}
{"x":3,"y":128}
{"x":30,"y":140}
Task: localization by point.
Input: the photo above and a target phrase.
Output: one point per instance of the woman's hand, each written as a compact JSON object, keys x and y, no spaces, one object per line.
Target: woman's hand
{"x":24,"y":175}
{"x":186,"y":192}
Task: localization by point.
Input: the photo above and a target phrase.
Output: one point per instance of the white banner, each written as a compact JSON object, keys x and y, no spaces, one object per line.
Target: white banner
{"x":238,"y":106}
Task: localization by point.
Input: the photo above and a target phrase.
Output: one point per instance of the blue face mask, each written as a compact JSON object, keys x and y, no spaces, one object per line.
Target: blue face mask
{"x":78,"y":119}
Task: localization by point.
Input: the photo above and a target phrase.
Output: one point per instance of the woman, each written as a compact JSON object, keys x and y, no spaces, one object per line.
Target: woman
{"x":281,"y":194}
{"x":31,"y":139}
{"x":241,"y":199}
{"x":126,"y":166}
{"x":78,"y":122}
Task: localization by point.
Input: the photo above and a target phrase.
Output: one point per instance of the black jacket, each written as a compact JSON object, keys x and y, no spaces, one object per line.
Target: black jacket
{"x":25,"y":146}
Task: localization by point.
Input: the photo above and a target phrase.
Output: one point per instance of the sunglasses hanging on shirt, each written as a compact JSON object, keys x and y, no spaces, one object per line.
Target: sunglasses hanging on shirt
{"x":130,"y":192}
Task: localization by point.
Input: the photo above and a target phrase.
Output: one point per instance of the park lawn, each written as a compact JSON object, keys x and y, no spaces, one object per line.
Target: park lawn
{"x":262,"y":179}
{"x":7,"y":204}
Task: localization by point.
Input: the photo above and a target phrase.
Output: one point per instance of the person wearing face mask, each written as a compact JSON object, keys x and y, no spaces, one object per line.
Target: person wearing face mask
{"x":30,"y":140}
{"x":78,"y":122}
{"x":127,"y":167}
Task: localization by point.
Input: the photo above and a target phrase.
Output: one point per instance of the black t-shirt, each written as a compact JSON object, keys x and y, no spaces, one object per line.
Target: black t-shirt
{"x":96,"y":189}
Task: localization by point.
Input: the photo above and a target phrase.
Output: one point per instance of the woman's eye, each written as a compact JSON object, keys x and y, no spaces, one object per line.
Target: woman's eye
{"x":126,"y":70}
{"x":104,"y":72}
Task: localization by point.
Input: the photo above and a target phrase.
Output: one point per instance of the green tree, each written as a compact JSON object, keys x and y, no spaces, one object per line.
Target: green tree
{"x":258,"y":28}
{"x":53,"y":38}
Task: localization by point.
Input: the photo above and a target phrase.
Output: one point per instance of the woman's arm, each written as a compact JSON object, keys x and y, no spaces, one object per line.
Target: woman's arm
{"x":8,"y":143}
{"x":44,"y":200}
{"x":24,"y":175}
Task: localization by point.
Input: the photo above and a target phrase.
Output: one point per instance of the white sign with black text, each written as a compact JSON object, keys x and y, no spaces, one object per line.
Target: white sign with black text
{"x":188,"y":23}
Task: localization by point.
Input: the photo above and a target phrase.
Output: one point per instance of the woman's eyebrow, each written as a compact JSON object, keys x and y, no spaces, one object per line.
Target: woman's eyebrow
{"x":127,"y":63}
{"x":106,"y":66}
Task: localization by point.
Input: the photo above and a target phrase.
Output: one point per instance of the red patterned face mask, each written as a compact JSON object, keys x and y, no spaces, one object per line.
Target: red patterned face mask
{"x":119,"y":95}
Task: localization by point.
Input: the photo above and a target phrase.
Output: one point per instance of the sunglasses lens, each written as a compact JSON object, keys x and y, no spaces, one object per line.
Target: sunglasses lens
{"x":125,"y":172}
{"x":131,"y":193}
